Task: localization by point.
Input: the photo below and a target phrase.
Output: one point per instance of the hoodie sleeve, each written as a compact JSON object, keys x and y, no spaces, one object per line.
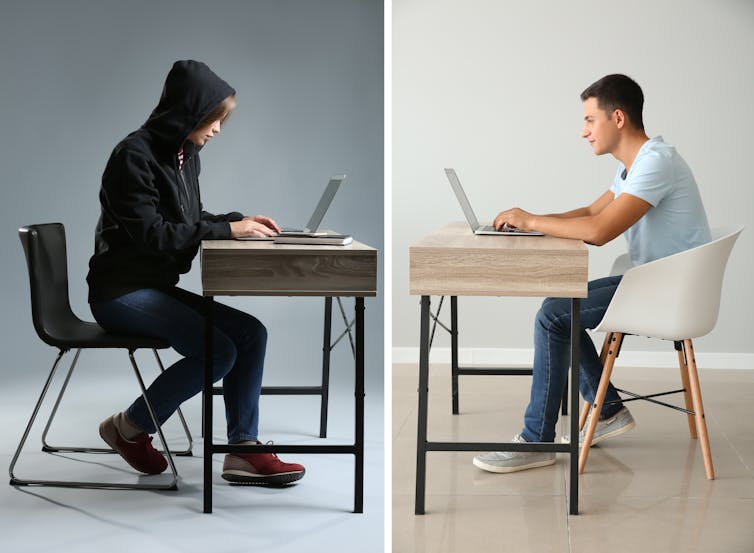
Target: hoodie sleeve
{"x":222,"y":218}
{"x":132,"y":199}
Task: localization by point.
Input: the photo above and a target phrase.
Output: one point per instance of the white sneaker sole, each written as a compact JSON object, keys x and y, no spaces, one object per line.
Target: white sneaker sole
{"x":602,"y":437}
{"x":501,"y":470}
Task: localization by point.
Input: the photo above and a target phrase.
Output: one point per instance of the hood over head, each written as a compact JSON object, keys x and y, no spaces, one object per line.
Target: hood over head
{"x":190,"y":93}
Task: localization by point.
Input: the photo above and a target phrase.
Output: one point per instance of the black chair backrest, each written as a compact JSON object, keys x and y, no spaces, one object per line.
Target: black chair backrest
{"x":44,"y":246}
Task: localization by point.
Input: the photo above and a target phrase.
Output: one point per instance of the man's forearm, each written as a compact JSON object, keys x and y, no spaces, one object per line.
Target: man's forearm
{"x":569,"y":225}
{"x":579,"y":212}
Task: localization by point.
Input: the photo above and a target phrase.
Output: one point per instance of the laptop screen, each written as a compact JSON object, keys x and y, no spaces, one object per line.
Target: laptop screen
{"x":462,"y":199}
{"x":324,"y":203}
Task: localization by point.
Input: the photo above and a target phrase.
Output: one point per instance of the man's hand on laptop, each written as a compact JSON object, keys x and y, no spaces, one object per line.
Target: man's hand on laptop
{"x":258,"y":226}
{"x":514,"y":218}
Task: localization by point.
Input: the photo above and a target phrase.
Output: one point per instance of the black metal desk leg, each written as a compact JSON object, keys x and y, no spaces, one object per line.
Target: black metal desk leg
{"x":421,"y":438}
{"x":454,"y":351}
{"x":326,"y":348}
{"x":575,"y":360}
{"x":564,"y":399}
{"x":359,"y":468}
{"x":207,"y":400}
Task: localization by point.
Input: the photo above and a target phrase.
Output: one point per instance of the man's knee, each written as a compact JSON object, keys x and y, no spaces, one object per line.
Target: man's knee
{"x":552,"y":313}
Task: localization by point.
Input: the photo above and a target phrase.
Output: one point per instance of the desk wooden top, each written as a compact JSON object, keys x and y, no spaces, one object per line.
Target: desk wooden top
{"x":452,"y":261}
{"x":262,"y":268}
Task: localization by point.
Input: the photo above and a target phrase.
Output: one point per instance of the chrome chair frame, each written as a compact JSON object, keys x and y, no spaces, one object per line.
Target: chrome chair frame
{"x":56,"y":324}
{"x":16,"y":481}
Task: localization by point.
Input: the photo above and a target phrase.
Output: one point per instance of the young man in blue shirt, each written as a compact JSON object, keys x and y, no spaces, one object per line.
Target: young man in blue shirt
{"x":655,"y":202}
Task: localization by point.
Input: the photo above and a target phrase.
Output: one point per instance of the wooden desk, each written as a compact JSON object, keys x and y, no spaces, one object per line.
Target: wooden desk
{"x":250,"y":268}
{"x":454,"y":262}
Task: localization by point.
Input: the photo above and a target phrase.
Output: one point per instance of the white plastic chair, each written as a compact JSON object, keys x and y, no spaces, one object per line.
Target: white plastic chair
{"x":673,"y":298}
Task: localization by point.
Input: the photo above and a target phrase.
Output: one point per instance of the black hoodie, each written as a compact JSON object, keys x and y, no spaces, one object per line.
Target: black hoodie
{"x":152,"y":220}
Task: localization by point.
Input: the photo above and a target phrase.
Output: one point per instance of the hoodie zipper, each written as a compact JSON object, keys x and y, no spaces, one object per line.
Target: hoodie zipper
{"x":183,"y":181}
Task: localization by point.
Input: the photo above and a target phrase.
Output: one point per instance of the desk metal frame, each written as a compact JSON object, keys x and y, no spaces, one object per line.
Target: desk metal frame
{"x":322,"y":390}
{"x":423,"y":446}
{"x":456,"y":370}
{"x":264,"y":269}
{"x":356,"y":449}
{"x":452,"y":262}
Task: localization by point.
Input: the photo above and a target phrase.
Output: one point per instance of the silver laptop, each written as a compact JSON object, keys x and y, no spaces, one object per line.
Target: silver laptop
{"x":471,"y":217}
{"x":314,"y":221}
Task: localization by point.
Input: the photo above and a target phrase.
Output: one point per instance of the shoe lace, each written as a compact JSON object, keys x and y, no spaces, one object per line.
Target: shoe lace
{"x":270,"y":442}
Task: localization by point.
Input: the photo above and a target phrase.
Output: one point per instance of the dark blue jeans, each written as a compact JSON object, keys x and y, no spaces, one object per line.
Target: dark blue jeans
{"x":552,"y":356}
{"x":176,"y":316}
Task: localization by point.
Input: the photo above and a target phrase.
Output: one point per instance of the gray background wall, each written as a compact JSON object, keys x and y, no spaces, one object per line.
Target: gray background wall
{"x":78,"y":76}
{"x":492,"y":89}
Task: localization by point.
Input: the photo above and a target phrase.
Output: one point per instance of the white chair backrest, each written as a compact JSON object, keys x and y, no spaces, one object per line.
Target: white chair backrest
{"x":674,"y":298}
{"x":621,"y":264}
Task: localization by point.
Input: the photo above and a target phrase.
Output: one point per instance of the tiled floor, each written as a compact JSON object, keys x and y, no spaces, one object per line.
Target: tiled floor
{"x":644,"y":491}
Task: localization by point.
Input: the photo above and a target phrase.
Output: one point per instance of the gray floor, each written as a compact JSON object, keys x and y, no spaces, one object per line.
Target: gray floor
{"x":643,"y":491}
{"x":310,"y":516}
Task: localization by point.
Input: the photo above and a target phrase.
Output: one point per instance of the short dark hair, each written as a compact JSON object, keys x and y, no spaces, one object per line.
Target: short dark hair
{"x":618,"y":92}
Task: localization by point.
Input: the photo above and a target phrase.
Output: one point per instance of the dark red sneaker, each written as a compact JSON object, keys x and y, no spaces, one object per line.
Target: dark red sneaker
{"x":260,"y":469}
{"x":138,"y":452}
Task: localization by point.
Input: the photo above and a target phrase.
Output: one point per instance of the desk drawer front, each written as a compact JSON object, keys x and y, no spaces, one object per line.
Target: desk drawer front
{"x":492,"y":273}
{"x":238,"y":273}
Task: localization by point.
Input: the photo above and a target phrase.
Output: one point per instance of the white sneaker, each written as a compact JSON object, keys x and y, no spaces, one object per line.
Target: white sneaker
{"x":513,"y":461}
{"x":620,"y":423}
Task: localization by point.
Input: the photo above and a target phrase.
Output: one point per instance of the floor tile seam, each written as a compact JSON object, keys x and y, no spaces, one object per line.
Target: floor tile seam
{"x":565,"y":467}
{"x":665,"y":497}
{"x":478,"y":495}
{"x":406,"y":421}
{"x":721,"y":429}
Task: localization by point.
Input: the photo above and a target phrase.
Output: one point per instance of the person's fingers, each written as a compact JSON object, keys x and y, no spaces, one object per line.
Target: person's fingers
{"x":275,"y":225}
{"x":268,"y":222}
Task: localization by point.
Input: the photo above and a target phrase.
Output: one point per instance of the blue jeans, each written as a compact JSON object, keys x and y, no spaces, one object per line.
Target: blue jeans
{"x":176,"y":316}
{"x":552,"y":351}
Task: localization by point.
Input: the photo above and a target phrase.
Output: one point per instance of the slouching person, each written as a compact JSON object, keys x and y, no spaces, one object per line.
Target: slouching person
{"x":149,"y":231}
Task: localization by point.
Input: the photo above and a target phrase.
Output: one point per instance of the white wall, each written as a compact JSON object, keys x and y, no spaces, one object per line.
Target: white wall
{"x":492,"y":89}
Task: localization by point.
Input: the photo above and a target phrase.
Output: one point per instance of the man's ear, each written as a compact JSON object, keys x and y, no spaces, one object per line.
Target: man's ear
{"x":620,"y":118}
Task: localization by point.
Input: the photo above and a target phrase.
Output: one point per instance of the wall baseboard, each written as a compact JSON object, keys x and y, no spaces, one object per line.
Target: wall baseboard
{"x":524,"y":356}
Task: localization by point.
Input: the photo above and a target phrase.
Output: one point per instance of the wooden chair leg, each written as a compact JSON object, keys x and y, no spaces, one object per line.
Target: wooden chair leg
{"x":587,"y":405}
{"x":605,"y":344}
{"x":687,"y":393}
{"x":612,"y":352}
{"x":584,"y":414}
{"x":696,"y":396}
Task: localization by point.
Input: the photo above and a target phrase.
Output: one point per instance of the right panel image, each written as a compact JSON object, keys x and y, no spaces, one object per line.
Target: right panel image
{"x":571,"y":235}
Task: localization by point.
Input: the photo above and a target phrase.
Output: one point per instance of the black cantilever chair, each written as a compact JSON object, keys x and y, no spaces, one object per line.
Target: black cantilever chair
{"x":57,"y":326}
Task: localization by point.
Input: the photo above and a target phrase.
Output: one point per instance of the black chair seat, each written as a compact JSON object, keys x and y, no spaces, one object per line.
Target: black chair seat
{"x":86,"y":335}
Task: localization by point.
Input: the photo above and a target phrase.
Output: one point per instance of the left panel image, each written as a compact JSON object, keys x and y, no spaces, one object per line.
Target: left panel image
{"x":193,"y":235}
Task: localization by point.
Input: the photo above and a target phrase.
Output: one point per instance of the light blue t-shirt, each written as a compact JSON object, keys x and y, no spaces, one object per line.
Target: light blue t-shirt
{"x":676,"y":221}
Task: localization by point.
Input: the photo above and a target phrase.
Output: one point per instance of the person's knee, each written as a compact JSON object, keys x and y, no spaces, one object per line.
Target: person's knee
{"x":254,"y":334}
{"x":223,"y":358}
{"x":260,"y":331}
{"x":551,"y":314}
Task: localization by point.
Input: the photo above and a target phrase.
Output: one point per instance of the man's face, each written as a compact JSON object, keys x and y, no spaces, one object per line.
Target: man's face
{"x":599,"y":129}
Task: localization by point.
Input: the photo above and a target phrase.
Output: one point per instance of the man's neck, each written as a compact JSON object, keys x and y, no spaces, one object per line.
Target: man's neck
{"x":629,"y":147}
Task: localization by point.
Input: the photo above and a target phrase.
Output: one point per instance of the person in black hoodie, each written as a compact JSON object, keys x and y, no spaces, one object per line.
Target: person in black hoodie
{"x":149,"y":232}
